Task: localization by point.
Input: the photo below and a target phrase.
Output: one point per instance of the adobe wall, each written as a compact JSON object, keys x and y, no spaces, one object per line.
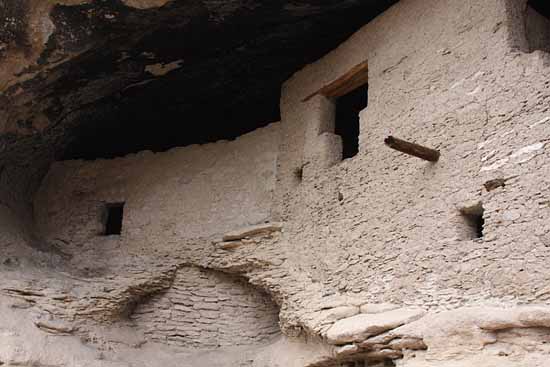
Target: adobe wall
{"x":454,"y":82}
{"x":185,"y":193}
{"x":383,"y":227}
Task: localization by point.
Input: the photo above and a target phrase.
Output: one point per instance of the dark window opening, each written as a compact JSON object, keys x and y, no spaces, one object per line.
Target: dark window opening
{"x":299,"y":174}
{"x":113,"y":223}
{"x":474,"y":220}
{"x":347,"y":120}
{"x":537,"y":25}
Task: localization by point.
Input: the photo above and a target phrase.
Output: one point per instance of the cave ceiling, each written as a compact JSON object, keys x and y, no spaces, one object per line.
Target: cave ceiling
{"x":99,"y":79}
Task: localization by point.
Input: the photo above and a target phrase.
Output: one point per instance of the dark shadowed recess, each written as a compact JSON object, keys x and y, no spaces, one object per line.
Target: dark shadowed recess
{"x":541,"y":6}
{"x":227,"y":83}
{"x":113,"y":222}
{"x":348,"y":108}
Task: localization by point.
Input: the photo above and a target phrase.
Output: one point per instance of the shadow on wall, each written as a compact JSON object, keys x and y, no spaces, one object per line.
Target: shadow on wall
{"x":537,"y":25}
{"x":206,"y":309}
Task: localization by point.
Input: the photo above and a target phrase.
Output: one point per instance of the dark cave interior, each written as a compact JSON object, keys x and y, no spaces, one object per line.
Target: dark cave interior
{"x":228,"y":82}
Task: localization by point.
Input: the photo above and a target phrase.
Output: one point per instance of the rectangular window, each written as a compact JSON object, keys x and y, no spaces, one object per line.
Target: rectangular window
{"x":474,"y":222}
{"x":346,"y":124}
{"x":349,"y":92}
{"x":113,"y":222}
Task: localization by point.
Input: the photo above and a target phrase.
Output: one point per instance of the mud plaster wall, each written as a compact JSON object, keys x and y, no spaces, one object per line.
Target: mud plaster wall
{"x":180,"y":194}
{"x":454,"y":81}
{"x":206,"y":309}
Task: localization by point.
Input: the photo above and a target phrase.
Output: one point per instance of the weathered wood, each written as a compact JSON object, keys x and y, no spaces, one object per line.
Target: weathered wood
{"x":354,"y":78}
{"x":413,"y":149}
{"x":252,"y":231}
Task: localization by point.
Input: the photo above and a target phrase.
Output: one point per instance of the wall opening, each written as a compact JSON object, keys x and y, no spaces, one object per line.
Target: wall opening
{"x":537,"y":25}
{"x":473,"y":221}
{"x":298,"y":175}
{"x":113,"y":222}
{"x":346,"y":124}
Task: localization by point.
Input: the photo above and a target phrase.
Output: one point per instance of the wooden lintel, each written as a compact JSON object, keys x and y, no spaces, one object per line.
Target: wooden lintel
{"x":413,"y":149}
{"x":354,"y":78}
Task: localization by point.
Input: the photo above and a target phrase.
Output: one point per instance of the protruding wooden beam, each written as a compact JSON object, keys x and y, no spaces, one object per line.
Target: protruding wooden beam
{"x":354,"y":78}
{"x":413,"y":149}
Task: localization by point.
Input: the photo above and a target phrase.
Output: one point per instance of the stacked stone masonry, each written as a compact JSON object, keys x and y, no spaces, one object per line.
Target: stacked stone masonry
{"x":205,"y":309}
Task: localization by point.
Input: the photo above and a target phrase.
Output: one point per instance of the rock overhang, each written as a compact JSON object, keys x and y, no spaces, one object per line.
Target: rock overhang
{"x":98,"y":79}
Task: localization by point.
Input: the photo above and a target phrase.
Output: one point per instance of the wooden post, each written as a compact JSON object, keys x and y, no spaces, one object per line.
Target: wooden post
{"x":413,"y":149}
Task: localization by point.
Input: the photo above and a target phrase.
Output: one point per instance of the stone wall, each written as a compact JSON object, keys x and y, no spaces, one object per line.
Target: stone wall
{"x":390,"y":227}
{"x":185,"y":193}
{"x":206,"y":309}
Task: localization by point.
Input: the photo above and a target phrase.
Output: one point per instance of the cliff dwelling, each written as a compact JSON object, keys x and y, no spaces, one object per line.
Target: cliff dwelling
{"x":274,"y":183}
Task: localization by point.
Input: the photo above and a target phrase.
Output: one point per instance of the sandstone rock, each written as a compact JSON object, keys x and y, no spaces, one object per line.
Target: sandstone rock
{"x":325,"y":318}
{"x":360,"y":327}
{"x":378,"y":341}
{"x":408,"y":343}
{"x":377,"y":307}
{"x":347,"y":350}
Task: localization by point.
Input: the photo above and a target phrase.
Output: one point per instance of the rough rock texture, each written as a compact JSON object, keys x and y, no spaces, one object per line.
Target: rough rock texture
{"x":382,"y":238}
{"x":205,"y":310}
{"x":360,"y":327}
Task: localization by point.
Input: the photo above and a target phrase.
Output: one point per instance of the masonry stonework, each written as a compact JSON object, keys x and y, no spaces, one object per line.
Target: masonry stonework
{"x":270,"y":250}
{"x":205,"y":309}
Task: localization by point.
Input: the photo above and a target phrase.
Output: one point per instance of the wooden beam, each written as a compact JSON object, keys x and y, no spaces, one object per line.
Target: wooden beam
{"x":353,"y":79}
{"x":413,"y":149}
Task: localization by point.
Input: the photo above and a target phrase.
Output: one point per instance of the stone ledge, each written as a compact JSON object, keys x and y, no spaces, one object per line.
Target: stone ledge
{"x":359,"y":327}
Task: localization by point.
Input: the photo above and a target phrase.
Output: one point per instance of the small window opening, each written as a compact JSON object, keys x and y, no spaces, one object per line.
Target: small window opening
{"x":113,"y":223}
{"x":537,"y":25}
{"x":299,"y":174}
{"x":348,"y":108}
{"x":474,"y":221}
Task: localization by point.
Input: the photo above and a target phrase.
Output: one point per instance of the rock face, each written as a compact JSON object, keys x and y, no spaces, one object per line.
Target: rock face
{"x":360,"y":327}
{"x":270,"y":250}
